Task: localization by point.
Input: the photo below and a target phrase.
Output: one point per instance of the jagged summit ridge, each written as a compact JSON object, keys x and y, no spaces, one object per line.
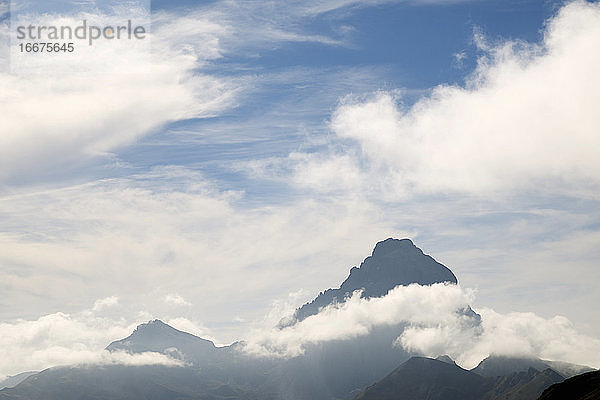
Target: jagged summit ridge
{"x":153,"y":325}
{"x":393,"y":262}
{"x":396,"y":262}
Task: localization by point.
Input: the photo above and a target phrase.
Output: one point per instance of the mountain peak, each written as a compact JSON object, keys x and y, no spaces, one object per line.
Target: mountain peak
{"x":153,"y":325}
{"x":157,"y":336}
{"x":390,"y":245}
{"x":393,"y":262}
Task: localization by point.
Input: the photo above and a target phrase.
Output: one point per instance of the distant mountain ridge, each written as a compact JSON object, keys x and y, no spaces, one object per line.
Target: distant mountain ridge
{"x":426,"y":378}
{"x":502,"y":365}
{"x":393,"y":262}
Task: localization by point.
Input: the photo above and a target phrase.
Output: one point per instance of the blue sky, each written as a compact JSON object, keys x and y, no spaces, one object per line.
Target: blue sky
{"x":265,"y":147}
{"x":405,"y":45}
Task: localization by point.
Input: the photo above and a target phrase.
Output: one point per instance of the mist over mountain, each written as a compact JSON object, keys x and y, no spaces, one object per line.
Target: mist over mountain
{"x":12,"y":381}
{"x":335,"y":369}
{"x":503,"y":365}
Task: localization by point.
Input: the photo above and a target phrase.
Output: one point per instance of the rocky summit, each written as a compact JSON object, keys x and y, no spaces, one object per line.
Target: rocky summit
{"x":393,"y":262}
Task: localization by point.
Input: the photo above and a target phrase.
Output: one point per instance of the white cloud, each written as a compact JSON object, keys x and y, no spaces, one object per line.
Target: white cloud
{"x":67,"y":339}
{"x":324,"y":6}
{"x":527,"y":118}
{"x":146,"y":358}
{"x":122,"y":91}
{"x":186,"y":325}
{"x":434,"y":325}
{"x":512,"y":334}
{"x":177,"y":300}
{"x":358,"y":316}
{"x":104,"y":303}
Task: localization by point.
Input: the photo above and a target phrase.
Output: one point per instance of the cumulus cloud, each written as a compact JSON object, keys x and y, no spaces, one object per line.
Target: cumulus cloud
{"x":104,"y":303}
{"x":432,"y":321}
{"x":512,"y":334}
{"x":67,"y":339}
{"x":526,"y":118}
{"x":358,"y":316}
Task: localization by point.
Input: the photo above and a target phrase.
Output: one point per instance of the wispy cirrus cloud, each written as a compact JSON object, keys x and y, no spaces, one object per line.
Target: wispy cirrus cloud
{"x":122,"y":97}
{"x":142,"y":238}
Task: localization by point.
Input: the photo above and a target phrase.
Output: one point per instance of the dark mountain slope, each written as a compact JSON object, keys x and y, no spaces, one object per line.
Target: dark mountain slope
{"x":580,"y":387}
{"x":524,"y":385}
{"x":125,"y":383}
{"x":428,"y":379}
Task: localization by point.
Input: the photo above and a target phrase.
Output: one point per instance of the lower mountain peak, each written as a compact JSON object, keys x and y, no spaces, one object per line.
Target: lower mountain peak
{"x":157,"y":336}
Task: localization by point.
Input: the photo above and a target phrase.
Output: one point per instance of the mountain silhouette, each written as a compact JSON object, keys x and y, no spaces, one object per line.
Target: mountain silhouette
{"x":581,"y":387}
{"x":156,"y":336}
{"x":426,"y":378}
{"x":393,"y":262}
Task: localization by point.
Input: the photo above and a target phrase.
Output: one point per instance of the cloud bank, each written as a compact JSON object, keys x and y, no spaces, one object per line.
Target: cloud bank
{"x":357,"y":317}
{"x":512,"y":334}
{"x":68,"y":339}
{"x":432,"y":321}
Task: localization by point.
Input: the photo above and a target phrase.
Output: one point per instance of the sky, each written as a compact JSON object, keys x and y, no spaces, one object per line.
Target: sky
{"x":249,"y":153}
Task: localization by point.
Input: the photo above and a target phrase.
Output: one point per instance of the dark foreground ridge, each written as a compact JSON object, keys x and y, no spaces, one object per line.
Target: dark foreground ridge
{"x":580,"y":387}
{"x":393,"y":262}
